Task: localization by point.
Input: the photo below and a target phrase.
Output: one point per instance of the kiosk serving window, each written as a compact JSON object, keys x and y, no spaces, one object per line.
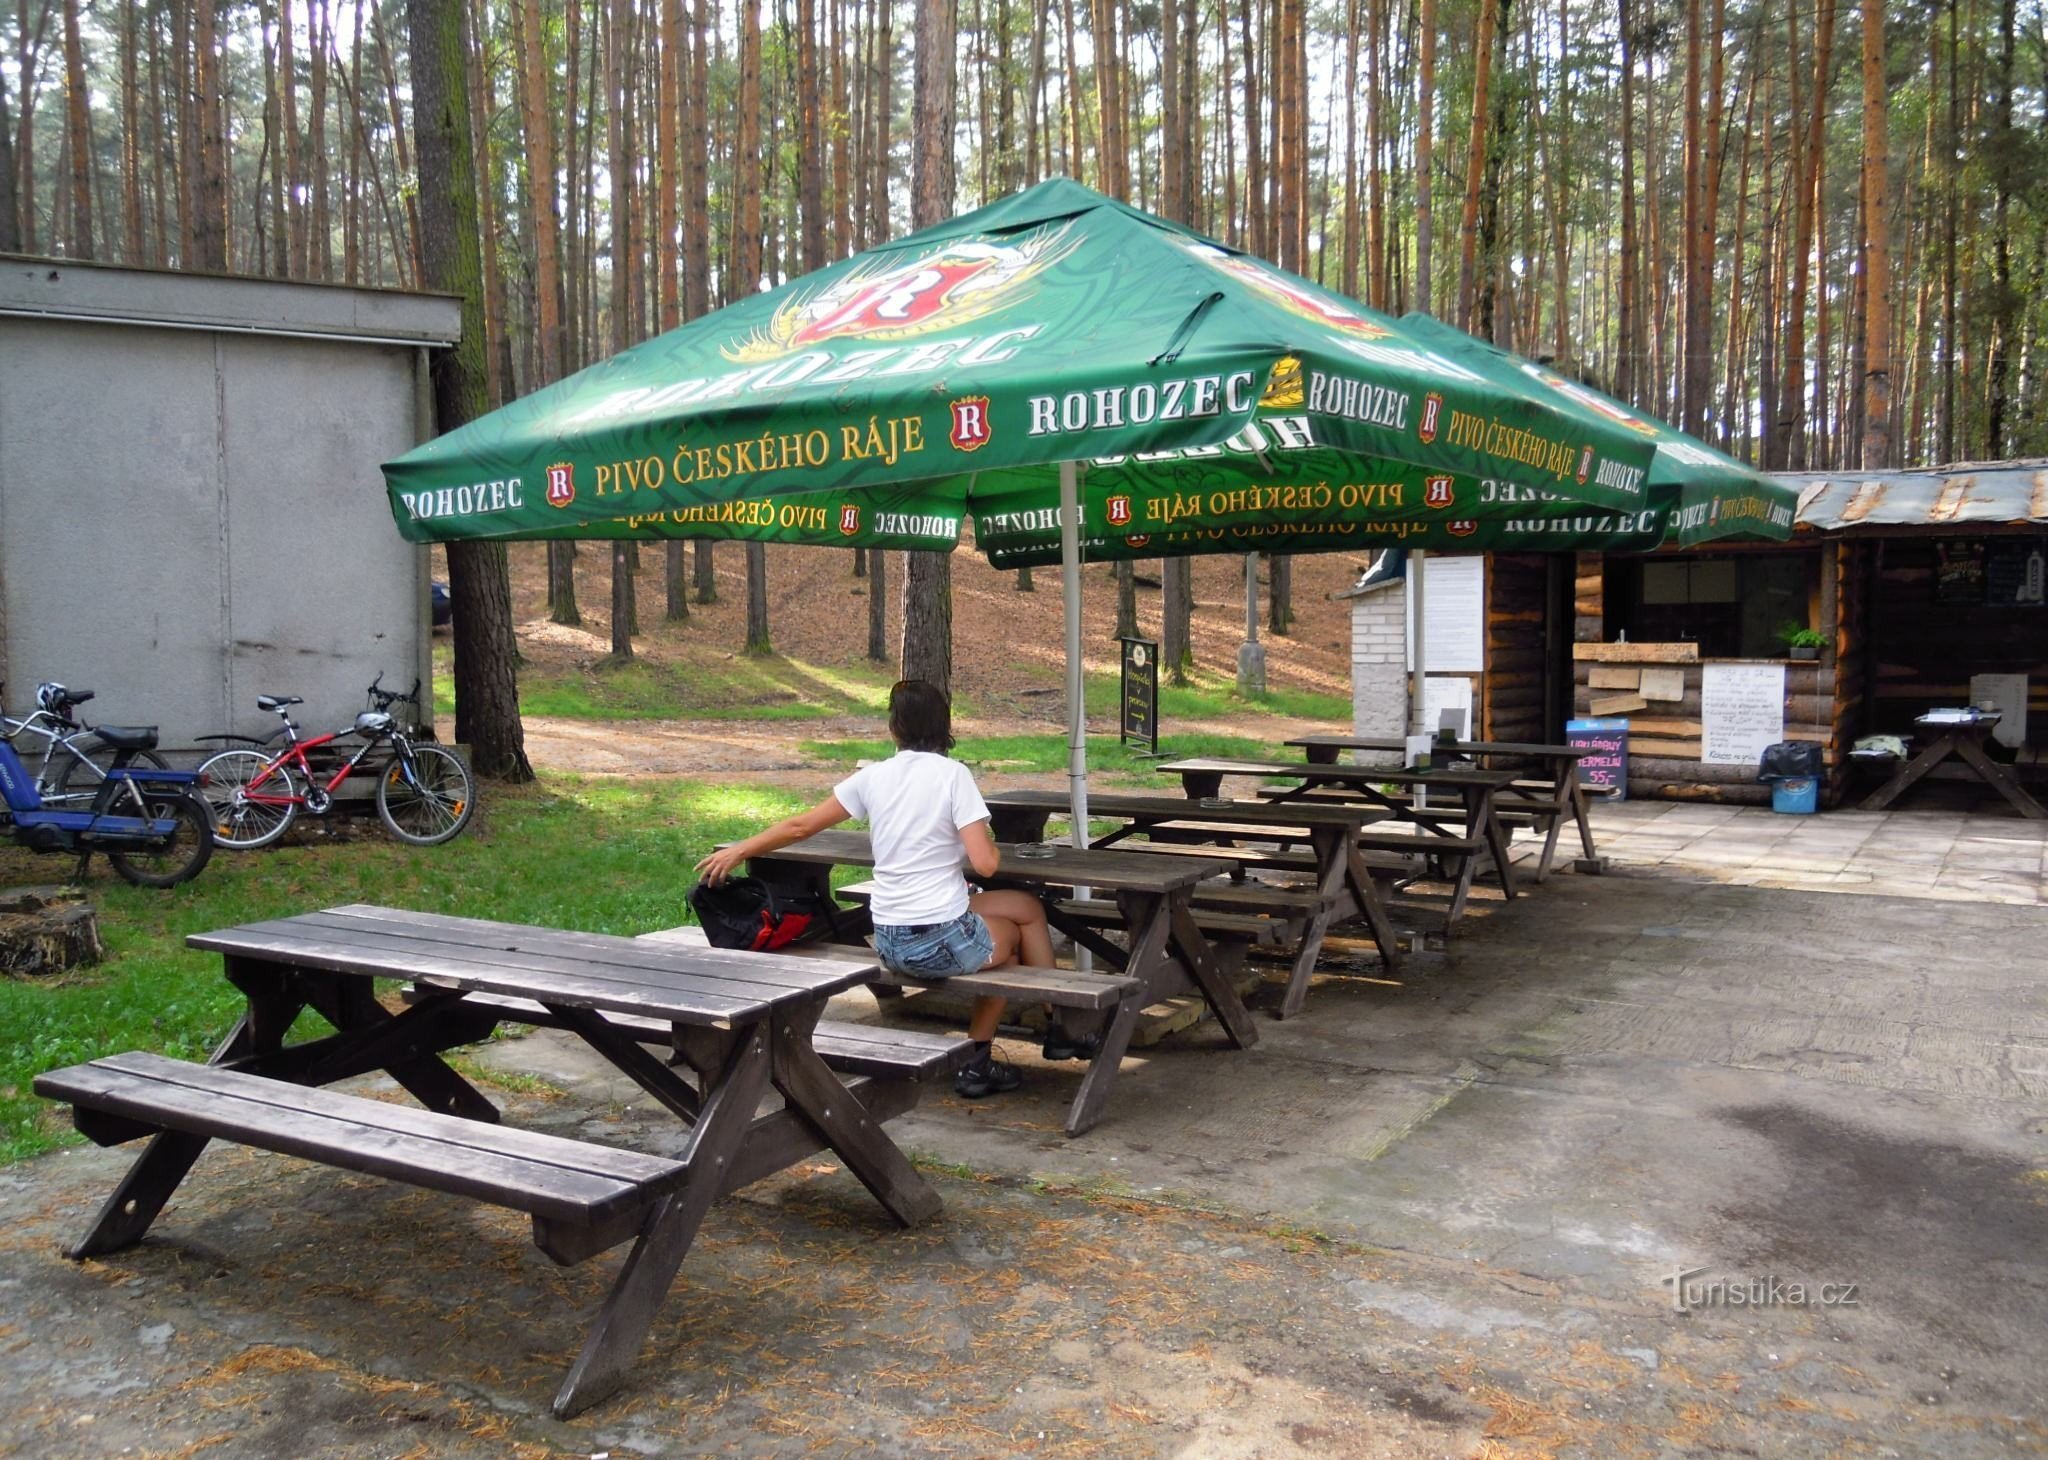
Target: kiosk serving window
{"x":1732,"y":606}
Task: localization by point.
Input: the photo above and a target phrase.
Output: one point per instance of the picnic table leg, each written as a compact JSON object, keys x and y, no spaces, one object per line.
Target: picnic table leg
{"x":1579,"y":804}
{"x":1145,"y":914}
{"x":126,"y":1215}
{"x":621,"y":1326}
{"x":1199,"y":959}
{"x":855,"y":1136}
{"x":349,"y":1004}
{"x":1365,"y":891}
{"x":1998,"y":778}
{"x":1914,"y":769}
{"x":1329,"y":844}
{"x":1479,"y":806}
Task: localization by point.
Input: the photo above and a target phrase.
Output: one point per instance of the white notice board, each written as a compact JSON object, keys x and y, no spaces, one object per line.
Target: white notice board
{"x":1447,"y":692}
{"x":1742,"y":710}
{"x":2009,"y":693}
{"x":1453,"y":616}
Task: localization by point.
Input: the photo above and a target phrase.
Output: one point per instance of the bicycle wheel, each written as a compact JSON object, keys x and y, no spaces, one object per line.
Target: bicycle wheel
{"x":425,"y":795}
{"x":252,"y":801}
{"x":80,"y":771}
{"x":180,"y":855}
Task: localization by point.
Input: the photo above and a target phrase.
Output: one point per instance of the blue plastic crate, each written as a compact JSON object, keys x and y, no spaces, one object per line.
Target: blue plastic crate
{"x":1795,"y":795}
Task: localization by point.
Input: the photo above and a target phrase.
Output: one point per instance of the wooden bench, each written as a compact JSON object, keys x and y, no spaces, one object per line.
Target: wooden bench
{"x":584,"y":1198}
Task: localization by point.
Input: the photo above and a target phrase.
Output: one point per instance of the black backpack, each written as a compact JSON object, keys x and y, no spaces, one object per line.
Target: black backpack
{"x":746,"y":912}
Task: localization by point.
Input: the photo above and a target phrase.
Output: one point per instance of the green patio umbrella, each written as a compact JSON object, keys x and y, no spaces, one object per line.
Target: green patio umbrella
{"x":979,"y":366}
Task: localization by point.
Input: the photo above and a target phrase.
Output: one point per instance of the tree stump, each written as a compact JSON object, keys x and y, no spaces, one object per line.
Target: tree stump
{"x":47,"y":930}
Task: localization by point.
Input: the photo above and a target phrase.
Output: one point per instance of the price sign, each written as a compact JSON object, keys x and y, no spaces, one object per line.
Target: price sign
{"x":1605,"y":771}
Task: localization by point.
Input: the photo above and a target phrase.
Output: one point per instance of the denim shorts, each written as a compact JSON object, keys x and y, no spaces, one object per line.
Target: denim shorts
{"x":935,"y":950}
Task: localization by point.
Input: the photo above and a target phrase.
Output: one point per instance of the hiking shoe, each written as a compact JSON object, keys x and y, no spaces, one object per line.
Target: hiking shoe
{"x":1060,"y":1045}
{"x":983,"y":1077}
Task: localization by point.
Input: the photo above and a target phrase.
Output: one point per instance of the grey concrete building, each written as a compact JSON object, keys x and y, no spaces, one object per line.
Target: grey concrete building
{"x":191,"y":512}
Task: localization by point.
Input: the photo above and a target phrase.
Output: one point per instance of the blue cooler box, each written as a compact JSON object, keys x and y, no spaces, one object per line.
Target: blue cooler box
{"x":1795,"y":795}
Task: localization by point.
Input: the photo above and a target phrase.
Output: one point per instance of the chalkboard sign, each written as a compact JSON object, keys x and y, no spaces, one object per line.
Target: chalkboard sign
{"x":2016,"y":574}
{"x":1141,"y":695}
{"x":1605,"y":771}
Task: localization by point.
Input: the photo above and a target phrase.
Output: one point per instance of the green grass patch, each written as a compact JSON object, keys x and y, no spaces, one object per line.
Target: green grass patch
{"x":741,"y":687}
{"x":1034,"y":754}
{"x":1211,"y":696}
{"x":590,"y":854}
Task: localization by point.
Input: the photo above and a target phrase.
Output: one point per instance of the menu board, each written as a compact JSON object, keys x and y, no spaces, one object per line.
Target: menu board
{"x":1141,"y":695}
{"x":1453,"y":616}
{"x":1605,"y":771}
{"x":1742,"y":710}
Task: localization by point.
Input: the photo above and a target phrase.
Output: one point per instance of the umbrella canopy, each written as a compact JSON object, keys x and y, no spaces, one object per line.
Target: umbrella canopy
{"x":1054,"y":326}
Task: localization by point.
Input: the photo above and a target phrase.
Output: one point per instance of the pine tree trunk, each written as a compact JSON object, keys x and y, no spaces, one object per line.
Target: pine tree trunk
{"x":78,"y":134}
{"x":10,"y":187}
{"x":1126,"y":600}
{"x":2004,"y":303}
{"x":757,"y":600}
{"x":486,"y":656}
{"x":320,"y":234}
{"x":1628,"y":347}
{"x":928,"y":576}
{"x":1877,"y":312}
{"x":1176,"y":643}
{"x":133,"y":243}
{"x":878,"y":606}
{"x":209,"y":183}
{"x":288,"y":85}
{"x":1475,"y":164}
{"x":1425,"y":119}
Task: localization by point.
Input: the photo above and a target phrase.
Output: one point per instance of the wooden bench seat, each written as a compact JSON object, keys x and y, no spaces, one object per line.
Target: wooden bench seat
{"x":852,"y":1049}
{"x":1250,"y":927}
{"x":583,"y":1197}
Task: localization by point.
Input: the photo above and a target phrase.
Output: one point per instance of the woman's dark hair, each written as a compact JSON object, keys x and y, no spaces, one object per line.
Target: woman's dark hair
{"x":920,"y":716}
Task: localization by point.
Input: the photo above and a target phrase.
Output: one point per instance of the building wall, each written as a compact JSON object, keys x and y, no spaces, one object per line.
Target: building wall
{"x":192,"y":517}
{"x":1379,"y":674}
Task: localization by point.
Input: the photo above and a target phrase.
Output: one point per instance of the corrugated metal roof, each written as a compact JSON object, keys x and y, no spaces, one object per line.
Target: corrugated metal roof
{"x":1993,"y":494}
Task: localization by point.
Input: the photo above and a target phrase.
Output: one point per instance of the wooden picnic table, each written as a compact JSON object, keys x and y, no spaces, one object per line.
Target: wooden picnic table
{"x":1343,"y":886}
{"x":739,"y":1022}
{"x":1566,"y":795}
{"x":1963,"y":739}
{"x":1202,"y":778}
{"x":1149,"y":898}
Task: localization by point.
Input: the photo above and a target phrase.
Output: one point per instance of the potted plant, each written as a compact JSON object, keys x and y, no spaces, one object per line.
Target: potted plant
{"x":1802,"y":643}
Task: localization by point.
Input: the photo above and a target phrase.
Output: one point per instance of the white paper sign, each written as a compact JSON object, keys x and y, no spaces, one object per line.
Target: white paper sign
{"x":1742,"y":710}
{"x":2009,"y":693}
{"x":1453,"y":617}
{"x":1447,"y":693}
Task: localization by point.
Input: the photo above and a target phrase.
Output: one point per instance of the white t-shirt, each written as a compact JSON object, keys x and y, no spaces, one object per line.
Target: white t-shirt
{"x":916,"y":804}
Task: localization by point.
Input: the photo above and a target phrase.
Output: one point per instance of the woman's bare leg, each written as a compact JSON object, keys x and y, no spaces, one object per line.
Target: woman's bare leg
{"x":988,"y":1009}
{"x":1024,"y":914}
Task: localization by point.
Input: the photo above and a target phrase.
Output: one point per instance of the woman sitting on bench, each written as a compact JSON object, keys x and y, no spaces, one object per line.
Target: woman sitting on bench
{"x":924,"y":813}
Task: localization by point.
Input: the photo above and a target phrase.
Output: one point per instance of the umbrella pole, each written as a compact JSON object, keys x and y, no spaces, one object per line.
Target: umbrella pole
{"x":1077,"y":712}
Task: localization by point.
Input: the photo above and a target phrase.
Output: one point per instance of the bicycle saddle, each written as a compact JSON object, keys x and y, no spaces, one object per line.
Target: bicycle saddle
{"x":277,"y":702}
{"x":127,"y":737}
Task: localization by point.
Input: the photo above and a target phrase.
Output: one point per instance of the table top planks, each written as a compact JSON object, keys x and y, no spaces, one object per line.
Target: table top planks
{"x":1104,"y":870}
{"x":1459,"y":747}
{"x":709,"y":987}
{"x":1352,"y":774}
{"x":1141,"y":808}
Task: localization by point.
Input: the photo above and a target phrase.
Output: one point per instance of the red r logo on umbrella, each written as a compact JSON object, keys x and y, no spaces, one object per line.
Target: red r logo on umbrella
{"x":970,"y":423}
{"x":1585,"y":464}
{"x":1119,"y":511}
{"x":1436,"y":492}
{"x":849,"y":519}
{"x":561,"y":484}
{"x":1432,"y":410}
{"x":1463,"y":527}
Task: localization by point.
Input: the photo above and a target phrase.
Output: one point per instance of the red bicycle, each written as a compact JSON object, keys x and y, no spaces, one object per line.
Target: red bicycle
{"x":424,"y":796}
